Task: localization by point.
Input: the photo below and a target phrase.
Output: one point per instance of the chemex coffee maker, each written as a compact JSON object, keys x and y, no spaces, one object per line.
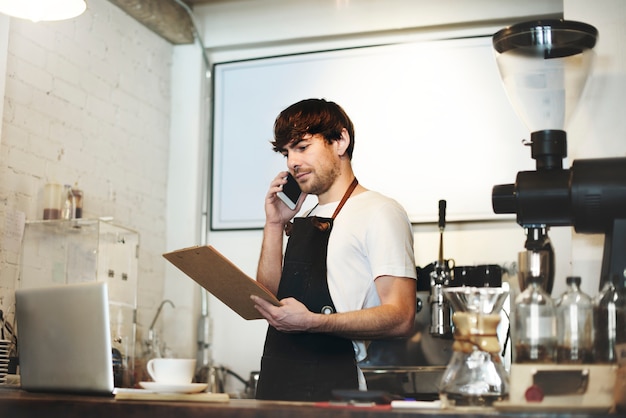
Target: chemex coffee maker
{"x":466,"y":304}
{"x":544,"y":66}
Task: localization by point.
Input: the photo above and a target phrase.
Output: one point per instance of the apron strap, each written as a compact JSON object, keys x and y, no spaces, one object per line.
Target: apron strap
{"x":325,"y":225}
{"x":346,"y":196}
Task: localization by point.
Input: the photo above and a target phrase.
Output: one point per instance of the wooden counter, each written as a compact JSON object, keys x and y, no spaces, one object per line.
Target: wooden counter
{"x":20,"y":404}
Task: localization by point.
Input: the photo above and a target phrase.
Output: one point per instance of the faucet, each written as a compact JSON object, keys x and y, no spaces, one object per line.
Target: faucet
{"x":150,"y":341}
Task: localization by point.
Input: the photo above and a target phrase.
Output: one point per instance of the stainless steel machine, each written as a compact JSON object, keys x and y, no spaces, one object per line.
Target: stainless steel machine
{"x":415,"y":367}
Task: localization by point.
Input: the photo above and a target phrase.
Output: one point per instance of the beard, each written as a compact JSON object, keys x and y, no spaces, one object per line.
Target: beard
{"x":322,"y":179}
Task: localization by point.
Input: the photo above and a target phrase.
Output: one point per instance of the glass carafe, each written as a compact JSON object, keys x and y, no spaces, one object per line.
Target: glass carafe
{"x":610,"y":323}
{"x":475,"y":375}
{"x":534,"y":331}
{"x":574,"y":310}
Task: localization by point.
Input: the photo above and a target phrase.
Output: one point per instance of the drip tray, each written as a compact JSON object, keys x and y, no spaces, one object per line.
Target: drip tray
{"x":419,"y":383}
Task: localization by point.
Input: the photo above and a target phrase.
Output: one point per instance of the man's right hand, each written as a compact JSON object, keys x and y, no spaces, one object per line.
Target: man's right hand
{"x":277,"y":212}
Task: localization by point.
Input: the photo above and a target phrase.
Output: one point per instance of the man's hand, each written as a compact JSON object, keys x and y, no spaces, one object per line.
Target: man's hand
{"x":291,"y":316}
{"x":275,"y":210}
{"x":393,"y":318}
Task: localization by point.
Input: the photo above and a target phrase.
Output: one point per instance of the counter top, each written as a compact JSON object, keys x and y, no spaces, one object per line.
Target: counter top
{"x":18,"y":403}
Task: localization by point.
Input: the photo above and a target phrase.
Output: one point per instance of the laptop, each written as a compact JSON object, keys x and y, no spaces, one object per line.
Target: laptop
{"x":64,"y":339}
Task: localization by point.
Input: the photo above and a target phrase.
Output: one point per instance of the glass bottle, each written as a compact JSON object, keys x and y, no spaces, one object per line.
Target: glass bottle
{"x":574,"y":310}
{"x":534,"y":335}
{"x":610,"y":322}
{"x":77,"y":194}
{"x":68,"y":203}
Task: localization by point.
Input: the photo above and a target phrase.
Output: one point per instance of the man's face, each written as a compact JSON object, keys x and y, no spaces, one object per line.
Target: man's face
{"x":313,"y":162}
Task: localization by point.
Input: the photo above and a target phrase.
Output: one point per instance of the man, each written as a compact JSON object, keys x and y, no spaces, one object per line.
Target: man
{"x":348,"y":273}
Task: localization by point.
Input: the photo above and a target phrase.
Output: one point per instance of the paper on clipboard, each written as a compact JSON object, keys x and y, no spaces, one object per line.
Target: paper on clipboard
{"x":223,"y":279}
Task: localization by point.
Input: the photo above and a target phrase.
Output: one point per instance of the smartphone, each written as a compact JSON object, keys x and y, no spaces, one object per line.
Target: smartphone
{"x":291,"y":192}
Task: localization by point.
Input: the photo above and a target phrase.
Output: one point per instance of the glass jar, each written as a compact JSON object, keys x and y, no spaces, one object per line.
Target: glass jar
{"x":574,"y":310}
{"x":53,"y":201}
{"x":534,"y":334}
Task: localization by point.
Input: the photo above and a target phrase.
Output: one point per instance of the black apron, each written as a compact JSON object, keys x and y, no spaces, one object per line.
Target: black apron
{"x":307,"y":366}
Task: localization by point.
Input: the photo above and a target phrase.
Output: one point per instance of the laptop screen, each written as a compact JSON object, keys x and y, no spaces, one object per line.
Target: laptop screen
{"x":64,"y":340}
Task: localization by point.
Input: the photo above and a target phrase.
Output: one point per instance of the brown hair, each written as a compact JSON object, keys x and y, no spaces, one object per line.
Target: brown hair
{"x":312,"y":116}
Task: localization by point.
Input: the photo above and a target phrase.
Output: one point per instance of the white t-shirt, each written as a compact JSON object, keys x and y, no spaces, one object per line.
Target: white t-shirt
{"x":371,"y":237}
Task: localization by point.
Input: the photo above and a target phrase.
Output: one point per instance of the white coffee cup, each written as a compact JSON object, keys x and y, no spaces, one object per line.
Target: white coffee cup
{"x":178,"y":371}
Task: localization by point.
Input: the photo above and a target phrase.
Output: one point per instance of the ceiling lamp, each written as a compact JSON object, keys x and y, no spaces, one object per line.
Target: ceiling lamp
{"x":43,"y":10}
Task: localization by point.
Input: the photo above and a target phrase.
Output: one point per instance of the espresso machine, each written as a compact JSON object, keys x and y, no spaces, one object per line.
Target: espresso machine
{"x":544,"y":66}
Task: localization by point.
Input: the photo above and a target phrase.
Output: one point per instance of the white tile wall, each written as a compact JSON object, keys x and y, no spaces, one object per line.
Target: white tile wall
{"x":87,"y":101}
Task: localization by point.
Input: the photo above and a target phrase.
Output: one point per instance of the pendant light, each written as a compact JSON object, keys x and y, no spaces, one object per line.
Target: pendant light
{"x":43,"y":10}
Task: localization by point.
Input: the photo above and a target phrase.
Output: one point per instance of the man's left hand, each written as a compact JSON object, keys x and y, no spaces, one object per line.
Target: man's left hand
{"x":291,"y":316}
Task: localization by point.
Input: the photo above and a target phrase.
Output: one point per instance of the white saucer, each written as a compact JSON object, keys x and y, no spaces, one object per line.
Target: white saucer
{"x":173,"y":388}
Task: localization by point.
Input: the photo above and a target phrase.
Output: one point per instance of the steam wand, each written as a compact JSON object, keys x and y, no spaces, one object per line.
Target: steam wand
{"x":442,"y":226}
{"x":441,"y":318}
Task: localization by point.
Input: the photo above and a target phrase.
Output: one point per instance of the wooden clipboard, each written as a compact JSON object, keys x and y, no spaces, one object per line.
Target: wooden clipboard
{"x":223,"y":279}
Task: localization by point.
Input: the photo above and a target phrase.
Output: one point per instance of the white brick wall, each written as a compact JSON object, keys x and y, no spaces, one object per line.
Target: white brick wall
{"x":88,"y":101}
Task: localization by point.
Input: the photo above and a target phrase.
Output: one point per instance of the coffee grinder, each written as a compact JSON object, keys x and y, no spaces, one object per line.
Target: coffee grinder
{"x":544,"y":66}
